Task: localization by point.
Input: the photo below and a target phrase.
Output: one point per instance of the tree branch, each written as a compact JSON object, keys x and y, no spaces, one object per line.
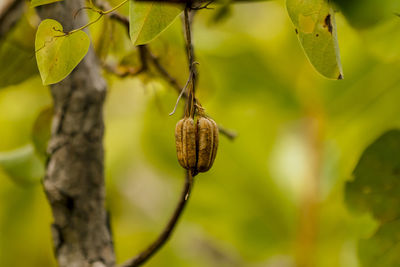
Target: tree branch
{"x":166,"y":233}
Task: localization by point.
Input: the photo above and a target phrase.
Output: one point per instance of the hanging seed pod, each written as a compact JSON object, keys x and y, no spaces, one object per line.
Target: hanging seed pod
{"x":207,"y":136}
{"x":185,"y":140}
{"x":196,"y":144}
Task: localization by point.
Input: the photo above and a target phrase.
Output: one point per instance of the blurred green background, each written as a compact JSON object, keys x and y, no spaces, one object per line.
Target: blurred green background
{"x":274,"y":197}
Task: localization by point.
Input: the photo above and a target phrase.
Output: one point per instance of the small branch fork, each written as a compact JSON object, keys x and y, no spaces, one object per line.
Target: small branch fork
{"x":97,"y":10}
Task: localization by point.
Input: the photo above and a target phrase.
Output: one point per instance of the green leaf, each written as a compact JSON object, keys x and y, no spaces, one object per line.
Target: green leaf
{"x":316,"y":29}
{"x":376,"y":184}
{"x":35,"y":3}
{"x":22,"y":165}
{"x":41,"y":131}
{"x":58,"y":54}
{"x":148,"y":20}
{"x":383,"y":248}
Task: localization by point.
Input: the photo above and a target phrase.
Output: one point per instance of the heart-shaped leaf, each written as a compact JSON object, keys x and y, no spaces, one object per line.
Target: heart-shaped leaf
{"x":316,"y":28}
{"x":148,"y":20}
{"x":57,"y":54}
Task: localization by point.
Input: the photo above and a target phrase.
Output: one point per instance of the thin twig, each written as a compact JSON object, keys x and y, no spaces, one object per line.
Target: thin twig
{"x":160,"y":241}
{"x":101,"y":14}
{"x":115,"y":15}
{"x":205,"y":6}
{"x":164,"y":73}
{"x":180,"y":95}
{"x":191,"y":104}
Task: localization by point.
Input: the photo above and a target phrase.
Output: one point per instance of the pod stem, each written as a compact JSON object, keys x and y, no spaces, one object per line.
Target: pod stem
{"x":190,"y":101}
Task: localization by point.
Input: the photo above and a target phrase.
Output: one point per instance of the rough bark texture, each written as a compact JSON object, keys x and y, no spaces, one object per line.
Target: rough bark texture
{"x":74,"y":182}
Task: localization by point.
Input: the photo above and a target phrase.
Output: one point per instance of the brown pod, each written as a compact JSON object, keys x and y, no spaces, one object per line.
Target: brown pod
{"x":185,"y":140}
{"x":207,"y":138}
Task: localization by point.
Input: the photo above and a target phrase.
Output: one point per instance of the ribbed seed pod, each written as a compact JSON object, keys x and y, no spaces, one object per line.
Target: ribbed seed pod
{"x":196,"y":145}
{"x":207,"y":145}
{"x":185,"y":140}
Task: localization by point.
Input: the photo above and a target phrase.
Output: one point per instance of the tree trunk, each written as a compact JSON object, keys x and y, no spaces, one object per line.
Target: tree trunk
{"x":74,"y":181}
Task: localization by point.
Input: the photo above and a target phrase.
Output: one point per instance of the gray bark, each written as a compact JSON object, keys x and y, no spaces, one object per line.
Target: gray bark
{"x":74,"y":181}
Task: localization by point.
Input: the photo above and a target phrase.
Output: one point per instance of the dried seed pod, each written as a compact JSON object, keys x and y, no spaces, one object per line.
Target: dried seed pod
{"x":185,"y":140}
{"x":207,"y":143}
{"x":196,"y":145}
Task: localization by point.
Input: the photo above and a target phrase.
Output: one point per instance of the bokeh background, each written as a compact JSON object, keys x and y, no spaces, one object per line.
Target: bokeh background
{"x":274,"y":197}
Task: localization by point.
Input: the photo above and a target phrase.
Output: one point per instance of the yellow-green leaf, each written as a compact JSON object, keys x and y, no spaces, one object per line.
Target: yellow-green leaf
{"x":148,"y":20}
{"x":316,"y":28}
{"x":35,"y":3}
{"x":57,"y":54}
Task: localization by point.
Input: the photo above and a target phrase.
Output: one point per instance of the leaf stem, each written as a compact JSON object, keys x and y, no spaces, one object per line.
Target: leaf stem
{"x":101,"y":14}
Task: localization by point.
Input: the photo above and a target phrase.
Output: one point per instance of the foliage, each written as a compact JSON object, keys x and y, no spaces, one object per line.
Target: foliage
{"x":254,"y":79}
{"x":316,"y":27}
{"x":148,"y":20}
{"x":57,"y":54}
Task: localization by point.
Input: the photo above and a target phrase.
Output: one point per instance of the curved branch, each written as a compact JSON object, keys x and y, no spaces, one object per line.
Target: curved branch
{"x":166,"y":233}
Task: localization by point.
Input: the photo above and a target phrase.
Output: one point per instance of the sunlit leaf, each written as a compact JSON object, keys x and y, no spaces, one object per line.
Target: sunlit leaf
{"x":148,"y":20}
{"x":22,"y":165}
{"x":316,"y":28}
{"x":58,"y":54}
{"x":35,"y":3}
